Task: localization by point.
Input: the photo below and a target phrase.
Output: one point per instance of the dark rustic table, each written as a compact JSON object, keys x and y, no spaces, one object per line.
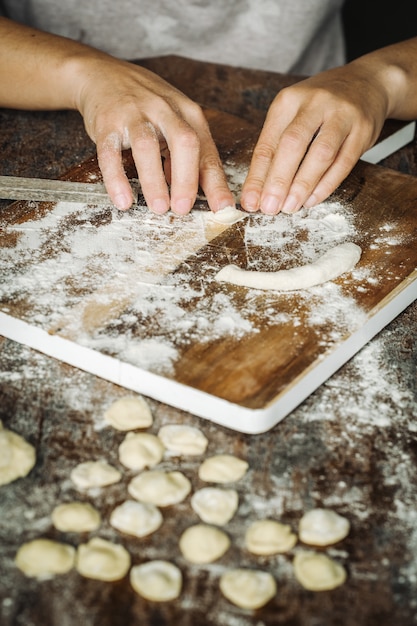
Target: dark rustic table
{"x":351,"y":446}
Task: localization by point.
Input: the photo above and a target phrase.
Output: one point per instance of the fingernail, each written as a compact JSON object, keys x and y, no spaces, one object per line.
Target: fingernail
{"x":159,"y":206}
{"x":123,"y":201}
{"x":250,"y":201}
{"x":290,"y":205}
{"x":182,"y":206}
{"x":270,"y":205}
{"x":310,"y":202}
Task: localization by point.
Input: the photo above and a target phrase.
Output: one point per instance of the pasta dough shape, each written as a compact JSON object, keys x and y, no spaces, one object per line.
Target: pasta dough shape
{"x":17,"y":456}
{"x":229,"y":215}
{"x":136,"y":518}
{"x":222,"y":468}
{"x":318,"y":572}
{"x":322,"y":527}
{"x":333,"y":263}
{"x":266,"y":537}
{"x":203,"y":544}
{"x":215,"y":506}
{"x":43,"y":558}
{"x":248,"y":589}
{"x":140,"y":450}
{"x":183,"y":439}
{"x":158,"y":581}
{"x":75,"y":517}
{"x":102,"y":560}
{"x":94,"y":474}
{"x":128,"y":413}
{"x":160,"y":488}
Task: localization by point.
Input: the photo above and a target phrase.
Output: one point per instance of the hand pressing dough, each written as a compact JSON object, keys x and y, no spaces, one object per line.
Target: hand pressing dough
{"x":322,"y":527}
{"x":43,"y":558}
{"x":160,"y":488}
{"x":248,"y":589}
{"x":140,"y":450}
{"x":215,"y":506}
{"x":94,"y":474}
{"x":158,"y":581}
{"x":222,"y":468}
{"x":317,"y":572}
{"x":333,"y":263}
{"x":17,"y":456}
{"x":183,"y":439}
{"x":266,"y":537}
{"x":102,"y":560}
{"x":128,"y":413}
{"x":78,"y":517}
{"x":203,"y":544}
{"x":136,"y":518}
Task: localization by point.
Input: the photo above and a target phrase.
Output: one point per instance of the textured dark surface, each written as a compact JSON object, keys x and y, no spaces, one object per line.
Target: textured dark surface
{"x":351,"y":446}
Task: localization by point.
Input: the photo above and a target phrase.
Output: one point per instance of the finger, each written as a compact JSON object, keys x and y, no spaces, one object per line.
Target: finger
{"x":146,"y":153}
{"x":109,"y":155}
{"x":213,"y":179}
{"x":280,"y":149}
{"x":336,"y":173}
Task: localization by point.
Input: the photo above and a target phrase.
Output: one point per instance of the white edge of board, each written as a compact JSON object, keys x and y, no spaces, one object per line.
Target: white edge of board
{"x":200,"y":403}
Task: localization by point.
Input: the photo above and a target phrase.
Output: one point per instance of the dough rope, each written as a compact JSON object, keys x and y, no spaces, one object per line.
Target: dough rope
{"x":335,"y":262}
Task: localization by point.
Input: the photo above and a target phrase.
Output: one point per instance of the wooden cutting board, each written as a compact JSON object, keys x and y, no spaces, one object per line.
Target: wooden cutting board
{"x":132,"y":297}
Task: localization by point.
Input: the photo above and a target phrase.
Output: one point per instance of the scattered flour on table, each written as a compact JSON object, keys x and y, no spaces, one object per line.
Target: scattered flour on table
{"x":76,"y":253}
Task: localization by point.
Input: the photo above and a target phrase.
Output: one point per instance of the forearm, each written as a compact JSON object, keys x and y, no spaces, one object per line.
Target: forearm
{"x":40,"y":70}
{"x":394,"y":70}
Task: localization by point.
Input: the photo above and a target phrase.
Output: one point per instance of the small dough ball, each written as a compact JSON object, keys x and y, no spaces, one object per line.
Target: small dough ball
{"x":222,"y":468}
{"x":128,"y":413}
{"x":215,"y":506}
{"x":17,"y":456}
{"x":94,"y":474}
{"x":266,"y":537}
{"x":158,"y":581}
{"x":321,"y":527}
{"x":318,"y":572}
{"x":136,"y":518}
{"x":43,"y":558}
{"x":102,"y":560}
{"x":229,"y":215}
{"x":159,"y":488}
{"x":183,"y":439}
{"x":140,"y":450}
{"x":248,"y":589}
{"x":203,"y":544}
{"x":78,"y":517}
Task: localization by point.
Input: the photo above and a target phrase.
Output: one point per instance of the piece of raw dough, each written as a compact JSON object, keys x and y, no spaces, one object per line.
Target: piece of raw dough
{"x":17,"y":456}
{"x":159,"y":487}
{"x":333,"y":263}
{"x":248,"y":589}
{"x":140,"y":450}
{"x":265,"y":537}
{"x":43,"y":558}
{"x":94,"y":474}
{"x":183,"y":439}
{"x":158,"y":581}
{"x":102,"y":560}
{"x":222,"y":468}
{"x":323,"y":527}
{"x":136,"y":518}
{"x":203,"y":544}
{"x":229,"y":215}
{"x":128,"y":413}
{"x":78,"y":517}
{"x":214,"y":505}
{"x":318,"y":572}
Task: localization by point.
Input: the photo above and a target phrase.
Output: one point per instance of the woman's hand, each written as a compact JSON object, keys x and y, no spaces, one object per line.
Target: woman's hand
{"x":317,"y":129}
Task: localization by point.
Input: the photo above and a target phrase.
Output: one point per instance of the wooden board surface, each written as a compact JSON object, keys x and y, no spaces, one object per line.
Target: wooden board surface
{"x":132,"y":297}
